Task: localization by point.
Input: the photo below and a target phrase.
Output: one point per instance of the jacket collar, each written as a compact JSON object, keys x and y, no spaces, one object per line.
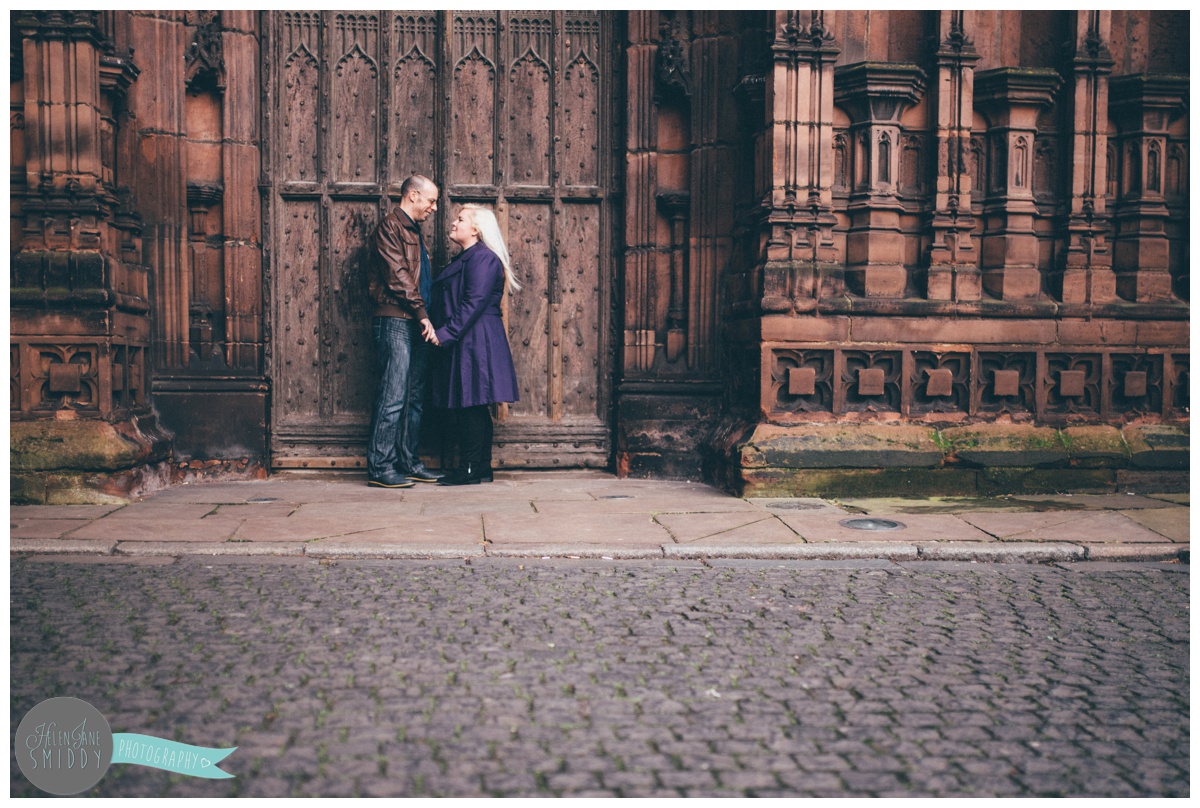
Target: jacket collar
{"x":456,"y":266}
{"x":407,"y":221}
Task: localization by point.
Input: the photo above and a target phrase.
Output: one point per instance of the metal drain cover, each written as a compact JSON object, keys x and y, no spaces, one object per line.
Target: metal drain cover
{"x":795,"y":506}
{"x":872,"y":524}
{"x":258,"y":500}
{"x":617,"y":496}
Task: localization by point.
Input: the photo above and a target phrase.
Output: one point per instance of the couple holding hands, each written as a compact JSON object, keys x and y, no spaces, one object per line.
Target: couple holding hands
{"x":444,"y":330}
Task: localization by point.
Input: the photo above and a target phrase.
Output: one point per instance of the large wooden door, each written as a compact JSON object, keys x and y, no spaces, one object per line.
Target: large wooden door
{"x":510,"y":109}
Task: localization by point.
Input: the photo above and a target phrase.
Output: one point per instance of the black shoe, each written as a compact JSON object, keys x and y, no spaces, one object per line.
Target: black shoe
{"x":424,"y":475}
{"x":461,"y":476}
{"x":390,"y":480}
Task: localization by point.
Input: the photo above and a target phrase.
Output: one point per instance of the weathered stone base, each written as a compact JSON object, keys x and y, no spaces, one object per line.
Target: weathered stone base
{"x":62,"y":462}
{"x":981,"y":459}
{"x":663,"y":436}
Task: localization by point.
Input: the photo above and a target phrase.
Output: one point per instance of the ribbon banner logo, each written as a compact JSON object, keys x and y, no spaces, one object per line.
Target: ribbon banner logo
{"x":64,"y":746}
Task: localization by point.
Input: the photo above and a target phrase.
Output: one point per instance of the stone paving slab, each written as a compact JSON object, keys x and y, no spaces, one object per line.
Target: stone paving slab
{"x":1178,"y":499}
{"x":876,"y":505}
{"x":617,"y":530}
{"x":1070,"y":526}
{"x":103,"y":546}
{"x":768,"y":532}
{"x":60,"y":511}
{"x":778,"y":505}
{"x":259,"y":510}
{"x":467,"y":508}
{"x":646,"y":505}
{"x":686,"y":527}
{"x":357,"y":513}
{"x":1172,"y":523}
{"x":163,"y":529}
{"x":384,"y":549}
{"x":43,"y":528}
{"x":235,"y":548}
{"x":160,"y":511}
{"x":292,"y":528}
{"x":420,"y":531}
{"x":1112,"y":502}
{"x":918,"y":527}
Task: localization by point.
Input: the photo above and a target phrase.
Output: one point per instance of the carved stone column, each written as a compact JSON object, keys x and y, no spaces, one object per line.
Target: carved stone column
{"x":800,"y":250}
{"x":1012,"y":98}
{"x":1143,"y":106}
{"x":1086,"y":275}
{"x":79,"y":328}
{"x":641,"y":180}
{"x":875,"y":94}
{"x":953,"y":263}
{"x":675,"y":206}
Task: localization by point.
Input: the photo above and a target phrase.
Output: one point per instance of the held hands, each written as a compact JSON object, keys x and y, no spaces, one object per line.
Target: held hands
{"x":428,"y":332}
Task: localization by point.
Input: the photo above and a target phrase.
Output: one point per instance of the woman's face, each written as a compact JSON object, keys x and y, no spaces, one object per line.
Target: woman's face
{"x":462,"y":229}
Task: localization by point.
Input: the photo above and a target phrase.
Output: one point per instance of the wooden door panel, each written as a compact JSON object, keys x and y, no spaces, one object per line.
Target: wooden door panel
{"x":504,"y":108}
{"x":579,"y":293}
{"x":527,"y":318}
{"x":414,"y":89}
{"x":348,"y":353}
{"x":473,"y":101}
{"x":297,"y":376}
{"x":354,"y":97}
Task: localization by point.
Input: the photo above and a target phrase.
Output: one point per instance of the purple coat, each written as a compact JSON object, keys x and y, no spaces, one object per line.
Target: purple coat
{"x":474,"y":365}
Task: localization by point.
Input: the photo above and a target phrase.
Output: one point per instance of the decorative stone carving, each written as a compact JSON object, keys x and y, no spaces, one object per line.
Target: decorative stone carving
{"x":1012,"y":99}
{"x":1144,"y":106}
{"x":204,"y":63}
{"x":875,"y":94}
{"x":673,"y":64}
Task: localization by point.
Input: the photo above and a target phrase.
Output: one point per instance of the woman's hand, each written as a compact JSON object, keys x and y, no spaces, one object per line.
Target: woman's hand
{"x":428,"y":332}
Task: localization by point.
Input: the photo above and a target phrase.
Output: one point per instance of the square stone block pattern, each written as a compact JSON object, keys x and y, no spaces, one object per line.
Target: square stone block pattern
{"x":617,"y":529}
{"x":1170,"y":523}
{"x":918,"y":527}
{"x":646,"y":504}
{"x":419,"y":530}
{"x":731,"y":528}
{"x":1063,"y":526}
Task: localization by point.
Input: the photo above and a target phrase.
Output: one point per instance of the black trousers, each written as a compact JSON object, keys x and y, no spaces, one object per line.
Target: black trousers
{"x":474,"y":427}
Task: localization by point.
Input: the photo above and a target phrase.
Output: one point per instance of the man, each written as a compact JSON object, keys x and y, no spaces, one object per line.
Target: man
{"x":399,"y":287}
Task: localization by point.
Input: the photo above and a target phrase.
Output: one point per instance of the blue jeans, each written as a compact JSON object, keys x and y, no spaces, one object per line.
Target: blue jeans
{"x":402,"y":358}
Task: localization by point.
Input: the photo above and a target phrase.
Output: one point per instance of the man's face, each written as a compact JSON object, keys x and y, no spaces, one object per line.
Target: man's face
{"x":424,"y":202}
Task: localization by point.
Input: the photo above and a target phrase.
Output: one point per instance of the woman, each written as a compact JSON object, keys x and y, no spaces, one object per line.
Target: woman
{"x":475,"y":368}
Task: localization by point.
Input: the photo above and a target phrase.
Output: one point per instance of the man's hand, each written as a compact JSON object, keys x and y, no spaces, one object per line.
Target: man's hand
{"x":428,"y":332}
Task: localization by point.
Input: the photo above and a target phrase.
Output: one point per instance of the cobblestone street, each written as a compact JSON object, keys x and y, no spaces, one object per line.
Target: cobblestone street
{"x":513,"y":677}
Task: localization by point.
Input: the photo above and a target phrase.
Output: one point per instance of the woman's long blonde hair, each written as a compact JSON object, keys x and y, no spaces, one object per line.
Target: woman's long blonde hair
{"x":489,"y":233}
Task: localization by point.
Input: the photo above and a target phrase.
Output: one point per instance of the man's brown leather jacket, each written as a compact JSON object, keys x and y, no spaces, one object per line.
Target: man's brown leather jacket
{"x":395,"y":282}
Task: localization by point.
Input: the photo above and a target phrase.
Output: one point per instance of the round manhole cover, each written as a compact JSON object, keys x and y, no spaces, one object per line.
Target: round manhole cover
{"x":872,"y":524}
{"x":258,"y":500}
{"x":795,"y":506}
{"x":617,"y":496}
